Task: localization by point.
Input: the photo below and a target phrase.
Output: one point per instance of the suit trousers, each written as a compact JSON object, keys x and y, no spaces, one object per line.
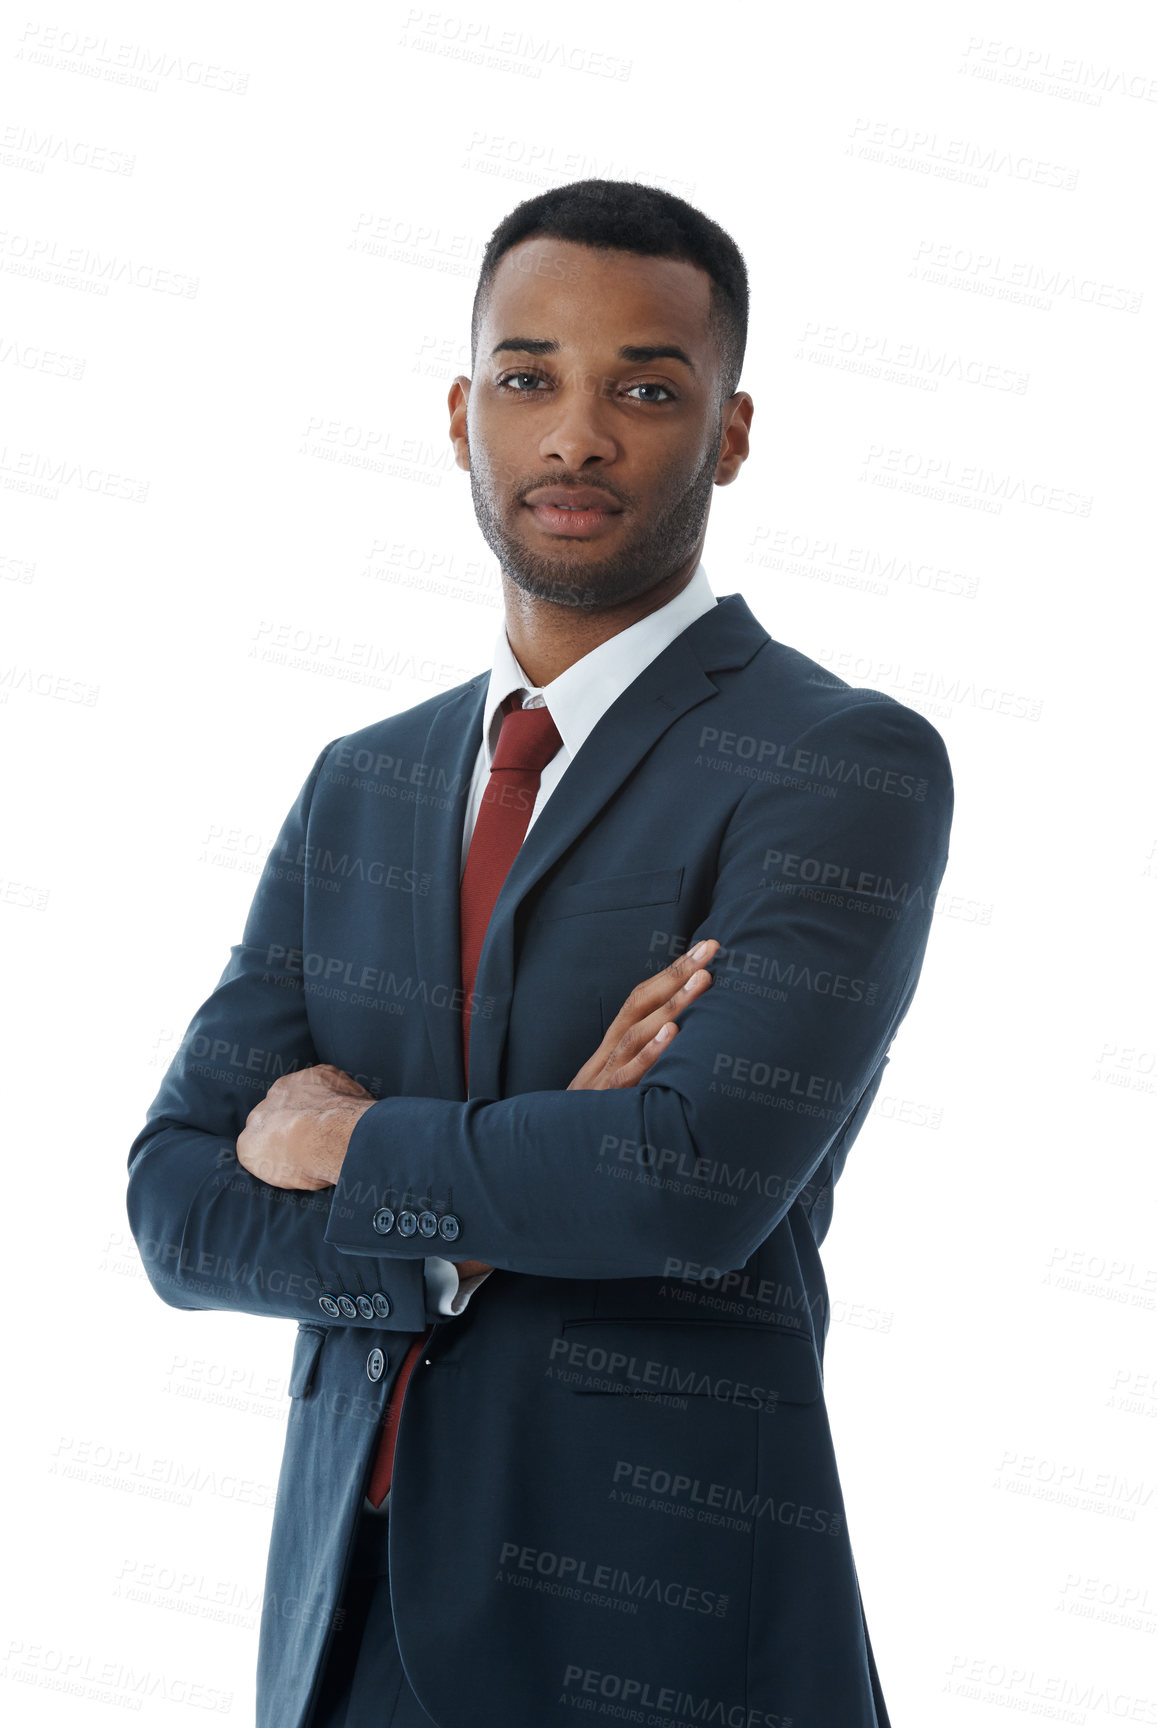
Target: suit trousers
{"x":363,"y":1684}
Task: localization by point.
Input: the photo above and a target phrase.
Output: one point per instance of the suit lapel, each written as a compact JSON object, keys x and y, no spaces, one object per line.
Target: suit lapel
{"x":675,"y":681}
{"x":448,"y":767}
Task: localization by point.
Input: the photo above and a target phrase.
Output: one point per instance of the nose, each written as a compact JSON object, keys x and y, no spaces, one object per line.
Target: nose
{"x":579,"y":430}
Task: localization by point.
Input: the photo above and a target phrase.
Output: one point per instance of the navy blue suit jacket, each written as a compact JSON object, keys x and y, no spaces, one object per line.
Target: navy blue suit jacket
{"x":615,"y":1479}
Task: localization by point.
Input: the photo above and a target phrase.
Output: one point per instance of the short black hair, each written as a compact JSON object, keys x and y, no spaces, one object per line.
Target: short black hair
{"x":628,"y":217}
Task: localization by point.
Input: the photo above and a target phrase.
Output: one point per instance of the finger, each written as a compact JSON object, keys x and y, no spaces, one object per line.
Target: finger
{"x":643,"y":1033}
{"x":336,"y":1080}
{"x":642,"y":1009}
{"x":651,"y":993}
{"x":630,"y":1072}
{"x":674,"y":976}
{"x":638,"y":1034}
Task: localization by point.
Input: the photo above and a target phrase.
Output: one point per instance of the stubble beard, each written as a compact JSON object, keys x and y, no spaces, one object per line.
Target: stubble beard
{"x":643,"y":556}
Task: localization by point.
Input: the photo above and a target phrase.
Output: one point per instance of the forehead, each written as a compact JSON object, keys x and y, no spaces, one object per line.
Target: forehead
{"x":557,"y":289}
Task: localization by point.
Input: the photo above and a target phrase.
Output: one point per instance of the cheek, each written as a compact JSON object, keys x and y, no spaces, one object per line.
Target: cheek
{"x":494,"y":465}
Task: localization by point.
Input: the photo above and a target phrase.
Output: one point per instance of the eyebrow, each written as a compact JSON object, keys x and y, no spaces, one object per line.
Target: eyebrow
{"x":635,"y":353}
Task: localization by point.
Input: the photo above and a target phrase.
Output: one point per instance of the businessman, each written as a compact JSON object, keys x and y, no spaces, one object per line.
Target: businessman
{"x":560,"y":1003}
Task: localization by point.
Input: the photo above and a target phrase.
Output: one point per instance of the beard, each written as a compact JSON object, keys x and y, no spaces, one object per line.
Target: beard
{"x":646,"y":553}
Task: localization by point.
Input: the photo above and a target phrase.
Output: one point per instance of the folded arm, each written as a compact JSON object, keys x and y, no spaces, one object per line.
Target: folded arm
{"x":211,"y":1234}
{"x":823,"y":901}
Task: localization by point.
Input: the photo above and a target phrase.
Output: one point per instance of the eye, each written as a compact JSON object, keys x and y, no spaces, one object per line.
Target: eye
{"x":513,"y":383}
{"x":508,"y":378}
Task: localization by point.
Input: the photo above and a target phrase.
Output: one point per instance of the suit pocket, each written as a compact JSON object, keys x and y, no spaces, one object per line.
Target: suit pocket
{"x":305,"y":1353}
{"x":751,"y":1367}
{"x":613,"y":893}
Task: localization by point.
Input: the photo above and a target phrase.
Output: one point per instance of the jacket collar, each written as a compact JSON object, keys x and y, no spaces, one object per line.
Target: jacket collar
{"x":578,"y":697}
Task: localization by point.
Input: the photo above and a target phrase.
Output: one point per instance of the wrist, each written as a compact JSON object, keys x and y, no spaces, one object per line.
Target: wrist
{"x":471,"y":1268}
{"x":329,"y":1143}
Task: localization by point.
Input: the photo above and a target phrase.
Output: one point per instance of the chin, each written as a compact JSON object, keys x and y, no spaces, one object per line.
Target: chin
{"x":586,"y":590}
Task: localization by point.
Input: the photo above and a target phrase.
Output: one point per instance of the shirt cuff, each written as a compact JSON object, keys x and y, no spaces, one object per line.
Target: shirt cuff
{"x":449,"y":1291}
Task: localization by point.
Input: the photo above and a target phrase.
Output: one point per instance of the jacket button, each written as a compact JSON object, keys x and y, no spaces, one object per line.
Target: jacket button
{"x":381,"y":1304}
{"x":365,"y":1308}
{"x":348,"y":1307}
{"x":449,"y":1226}
{"x":375,"y":1364}
{"x":383,"y":1221}
{"x":407,"y":1223}
{"x":428,"y":1223}
{"x":328,"y":1306}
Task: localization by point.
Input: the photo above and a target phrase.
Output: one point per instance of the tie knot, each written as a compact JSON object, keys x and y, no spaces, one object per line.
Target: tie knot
{"x":528,"y":740}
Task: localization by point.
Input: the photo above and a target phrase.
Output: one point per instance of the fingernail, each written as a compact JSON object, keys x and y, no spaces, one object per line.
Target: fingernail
{"x":699,"y":951}
{"x":664,"y":1032}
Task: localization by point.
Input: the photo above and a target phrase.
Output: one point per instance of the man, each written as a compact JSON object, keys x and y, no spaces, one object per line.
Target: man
{"x":427,"y":1111}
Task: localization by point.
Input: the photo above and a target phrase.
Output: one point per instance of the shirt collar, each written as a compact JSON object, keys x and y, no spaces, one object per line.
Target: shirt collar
{"x":579,"y":697}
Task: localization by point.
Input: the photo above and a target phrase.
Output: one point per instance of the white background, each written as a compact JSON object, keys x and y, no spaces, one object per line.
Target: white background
{"x":223,"y":377}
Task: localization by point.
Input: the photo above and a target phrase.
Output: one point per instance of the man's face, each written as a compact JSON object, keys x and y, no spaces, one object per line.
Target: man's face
{"x":563,"y":404}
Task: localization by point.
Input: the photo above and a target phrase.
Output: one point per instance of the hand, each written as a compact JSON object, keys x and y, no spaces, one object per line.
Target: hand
{"x":297,"y":1136}
{"x":645,"y":1024}
{"x":637,"y":1036}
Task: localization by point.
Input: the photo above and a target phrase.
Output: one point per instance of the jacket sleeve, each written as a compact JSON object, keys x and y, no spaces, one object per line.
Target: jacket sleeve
{"x":823,"y":900}
{"x":212,"y":1235}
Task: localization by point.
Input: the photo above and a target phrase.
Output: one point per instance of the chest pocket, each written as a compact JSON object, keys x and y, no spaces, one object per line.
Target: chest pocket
{"x":614,"y":893}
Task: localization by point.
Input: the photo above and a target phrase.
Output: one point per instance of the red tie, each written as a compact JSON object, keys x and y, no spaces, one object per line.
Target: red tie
{"x":526,"y":743}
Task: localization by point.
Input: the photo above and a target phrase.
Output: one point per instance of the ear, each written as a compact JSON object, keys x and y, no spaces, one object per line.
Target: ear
{"x":735,"y":445}
{"x":457,"y":402}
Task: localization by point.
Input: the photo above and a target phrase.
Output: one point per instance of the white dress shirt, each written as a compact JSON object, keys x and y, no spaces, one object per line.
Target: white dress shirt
{"x":578,"y":698}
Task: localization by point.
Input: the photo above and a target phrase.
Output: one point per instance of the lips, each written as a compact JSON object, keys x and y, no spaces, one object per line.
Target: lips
{"x":573,"y":498}
{"x":573,"y":520}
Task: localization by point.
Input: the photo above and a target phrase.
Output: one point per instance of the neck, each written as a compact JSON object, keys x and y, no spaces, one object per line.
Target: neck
{"x":546,"y":638}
